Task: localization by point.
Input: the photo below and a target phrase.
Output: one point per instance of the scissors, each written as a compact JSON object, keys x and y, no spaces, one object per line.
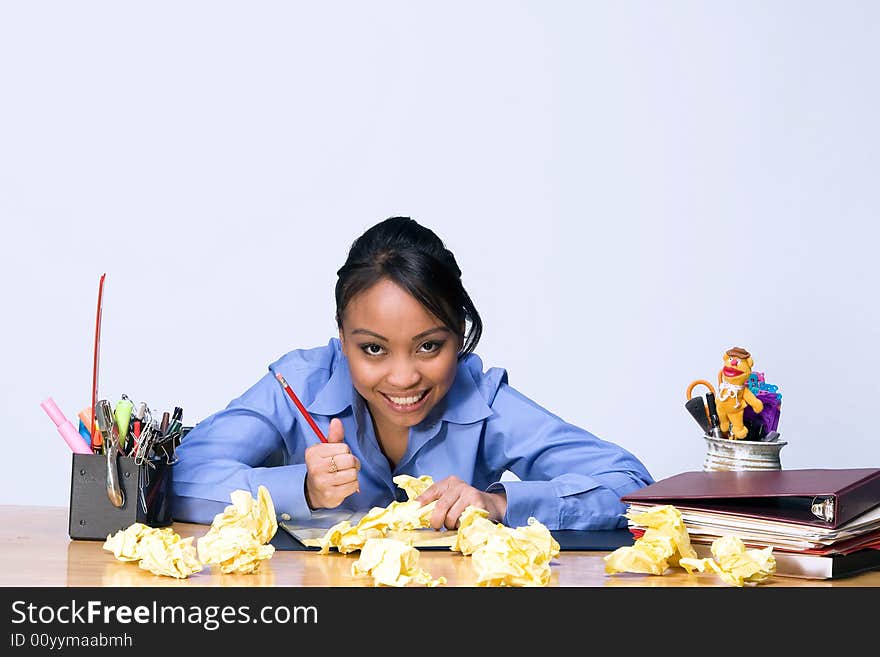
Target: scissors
{"x":110,"y":436}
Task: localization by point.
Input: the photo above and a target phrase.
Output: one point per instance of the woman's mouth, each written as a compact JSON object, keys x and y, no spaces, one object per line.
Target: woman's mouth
{"x":408,"y":403}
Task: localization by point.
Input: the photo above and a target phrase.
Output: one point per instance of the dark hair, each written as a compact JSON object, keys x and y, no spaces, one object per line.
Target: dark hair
{"x":413,"y":257}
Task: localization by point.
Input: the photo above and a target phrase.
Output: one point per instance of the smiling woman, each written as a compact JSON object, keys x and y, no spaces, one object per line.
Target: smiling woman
{"x":401,"y":391}
{"x":403,"y":376}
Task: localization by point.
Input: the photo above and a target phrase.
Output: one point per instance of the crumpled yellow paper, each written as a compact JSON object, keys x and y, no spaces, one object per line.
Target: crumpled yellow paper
{"x":664,"y":543}
{"x":474,"y":528}
{"x":412,"y":485}
{"x":504,"y":556}
{"x":735,"y":564}
{"x":516,"y":557}
{"x":238,"y":539}
{"x":392,"y":563}
{"x":379,"y":521}
{"x":345,"y":537}
{"x":398,"y":516}
{"x":161,"y":551}
{"x":125,"y":543}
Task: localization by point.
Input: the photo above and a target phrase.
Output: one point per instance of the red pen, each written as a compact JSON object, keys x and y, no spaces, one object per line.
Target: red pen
{"x":136,"y":430}
{"x":302,"y":409}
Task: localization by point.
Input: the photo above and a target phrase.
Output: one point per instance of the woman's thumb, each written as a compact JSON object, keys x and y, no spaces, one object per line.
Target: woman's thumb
{"x":337,"y":432}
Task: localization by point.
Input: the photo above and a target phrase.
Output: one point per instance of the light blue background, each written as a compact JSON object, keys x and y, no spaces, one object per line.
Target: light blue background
{"x":630,"y":189}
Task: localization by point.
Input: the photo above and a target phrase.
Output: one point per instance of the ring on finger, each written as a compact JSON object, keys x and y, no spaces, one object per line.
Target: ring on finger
{"x":333,"y":466}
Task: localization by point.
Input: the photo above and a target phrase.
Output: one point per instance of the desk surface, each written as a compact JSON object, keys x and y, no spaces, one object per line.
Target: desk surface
{"x":37,"y":551}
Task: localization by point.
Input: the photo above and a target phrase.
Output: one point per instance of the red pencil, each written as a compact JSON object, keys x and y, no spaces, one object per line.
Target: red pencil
{"x":302,"y":409}
{"x":97,"y":440}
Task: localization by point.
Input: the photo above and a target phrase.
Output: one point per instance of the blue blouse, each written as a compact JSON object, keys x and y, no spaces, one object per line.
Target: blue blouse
{"x":569,"y":478}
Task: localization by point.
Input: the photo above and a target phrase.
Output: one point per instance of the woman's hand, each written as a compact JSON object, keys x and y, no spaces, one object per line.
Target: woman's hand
{"x":332,"y":470}
{"x":454,"y":495}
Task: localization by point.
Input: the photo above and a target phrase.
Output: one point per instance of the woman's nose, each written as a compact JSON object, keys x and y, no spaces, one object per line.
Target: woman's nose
{"x":403,"y":374}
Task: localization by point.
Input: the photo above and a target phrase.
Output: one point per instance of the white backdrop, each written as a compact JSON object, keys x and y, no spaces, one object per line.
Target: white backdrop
{"x":630,"y":189}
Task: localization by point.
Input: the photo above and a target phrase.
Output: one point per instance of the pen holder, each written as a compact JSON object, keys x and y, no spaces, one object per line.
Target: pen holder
{"x":727,"y":454}
{"x":146,"y":489}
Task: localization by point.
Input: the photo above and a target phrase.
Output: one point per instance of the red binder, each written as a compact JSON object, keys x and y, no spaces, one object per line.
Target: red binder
{"x":819,"y":497}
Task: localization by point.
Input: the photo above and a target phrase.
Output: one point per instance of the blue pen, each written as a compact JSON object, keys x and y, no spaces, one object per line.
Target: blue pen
{"x":84,"y":432}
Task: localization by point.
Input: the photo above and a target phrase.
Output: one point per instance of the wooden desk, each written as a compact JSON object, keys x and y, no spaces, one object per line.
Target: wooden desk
{"x":36,"y":551}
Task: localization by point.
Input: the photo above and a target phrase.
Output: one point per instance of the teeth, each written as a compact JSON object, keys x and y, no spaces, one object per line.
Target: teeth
{"x":406,"y":401}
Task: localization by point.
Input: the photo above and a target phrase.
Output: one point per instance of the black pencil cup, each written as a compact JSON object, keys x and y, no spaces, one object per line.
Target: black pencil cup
{"x":146,"y":489}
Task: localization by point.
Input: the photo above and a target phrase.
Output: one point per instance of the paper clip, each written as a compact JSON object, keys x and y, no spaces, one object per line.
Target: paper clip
{"x":165,"y":448}
{"x":143,"y":413}
{"x":141,"y":498}
{"x":145,"y":444}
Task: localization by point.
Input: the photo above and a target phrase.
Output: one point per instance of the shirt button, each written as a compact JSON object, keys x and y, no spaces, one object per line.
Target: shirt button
{"x":285,"y":516}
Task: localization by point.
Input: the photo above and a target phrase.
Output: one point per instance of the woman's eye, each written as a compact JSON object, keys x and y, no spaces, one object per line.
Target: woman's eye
{"x":432,"y":346}
{"x":371,"y":349}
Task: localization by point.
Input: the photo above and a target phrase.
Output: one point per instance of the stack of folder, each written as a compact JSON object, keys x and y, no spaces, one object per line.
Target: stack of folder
{"x":821,"y":523}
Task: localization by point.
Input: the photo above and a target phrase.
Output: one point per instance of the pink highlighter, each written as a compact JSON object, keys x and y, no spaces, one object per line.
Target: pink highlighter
{"x":65,"y":428}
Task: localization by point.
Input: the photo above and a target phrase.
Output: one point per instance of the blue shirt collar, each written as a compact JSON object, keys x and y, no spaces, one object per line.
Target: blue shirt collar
{"x":338,"y":393}
{"x":463,"y":403}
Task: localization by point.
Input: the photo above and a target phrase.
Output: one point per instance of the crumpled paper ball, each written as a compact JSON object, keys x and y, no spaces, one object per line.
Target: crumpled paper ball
{"x":515,"y":556}
{"x":414,"y":486}
{"x":505,"y":556}
{"x":474,"y":528}
{"x":663,"y":544}
{"x":238,"y":540}
{"x":392,"y":563}
{"x":346,"y":538}
{"x":735,"y":564}
{"x":161,"y":551}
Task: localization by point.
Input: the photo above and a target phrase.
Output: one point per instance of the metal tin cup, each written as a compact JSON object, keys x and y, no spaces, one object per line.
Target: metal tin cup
{"x":727,"y":454}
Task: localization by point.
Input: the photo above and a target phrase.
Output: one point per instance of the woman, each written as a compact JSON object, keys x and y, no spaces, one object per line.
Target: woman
{"x":402,"y":392}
